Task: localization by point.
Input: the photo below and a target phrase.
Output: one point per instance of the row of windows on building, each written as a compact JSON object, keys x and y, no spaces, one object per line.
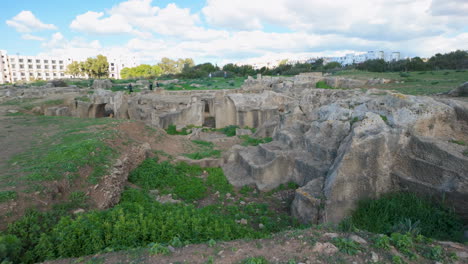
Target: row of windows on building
{"x":12,"y":60}
{"x":30,"y":66}
{"x":39,"y":74}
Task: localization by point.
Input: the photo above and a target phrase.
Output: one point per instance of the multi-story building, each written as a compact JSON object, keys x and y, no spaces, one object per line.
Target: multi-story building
{"x":352,"y":58}
{"x":16,"y":68}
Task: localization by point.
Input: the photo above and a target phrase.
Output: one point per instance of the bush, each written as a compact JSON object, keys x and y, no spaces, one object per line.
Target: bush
{"x":10,"y":248}
{"x":323,"y":85}
{"x":229,"y":131}
{"x":383,"y":214}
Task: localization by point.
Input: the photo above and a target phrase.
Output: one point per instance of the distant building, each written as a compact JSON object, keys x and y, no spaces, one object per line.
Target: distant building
{"x":16,"y":68}
{"x":352,"y":58}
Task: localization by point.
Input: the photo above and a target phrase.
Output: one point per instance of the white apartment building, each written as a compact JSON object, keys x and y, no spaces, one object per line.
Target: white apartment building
{"x":352,"y":58}
{"x":16,"y":68}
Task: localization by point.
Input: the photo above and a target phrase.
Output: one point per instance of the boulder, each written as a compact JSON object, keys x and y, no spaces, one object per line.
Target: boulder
{"x":461,"y":90}
{"x":102,"y":84}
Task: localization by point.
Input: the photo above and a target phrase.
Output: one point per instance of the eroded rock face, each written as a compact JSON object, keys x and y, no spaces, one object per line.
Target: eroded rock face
{"x":102,"y":84}
{"x":343,"y":146}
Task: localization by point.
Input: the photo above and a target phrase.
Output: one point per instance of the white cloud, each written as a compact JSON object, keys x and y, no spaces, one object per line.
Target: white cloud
{"x":32,"y":37}
{"x":307,"y":28}
{"x":25,"y":21}
{"x":367,"y":19}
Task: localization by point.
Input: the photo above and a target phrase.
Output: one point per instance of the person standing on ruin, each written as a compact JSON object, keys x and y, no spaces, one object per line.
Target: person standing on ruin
{"x":130,"y":88}
{"x":151,"y":87}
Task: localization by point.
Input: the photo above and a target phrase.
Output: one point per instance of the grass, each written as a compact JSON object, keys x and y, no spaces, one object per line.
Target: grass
{"x":205,"y":84}
{"x":71,"y":144}
{"x":401,"y":211}
{"x":416,"y":83}
{"x":83,"y":99}
{"x":323,"y":85}
{"x":6,"y":196}
{"x":250,"y":141}
{"x":205,"y":149}
{"x":458,"y":142}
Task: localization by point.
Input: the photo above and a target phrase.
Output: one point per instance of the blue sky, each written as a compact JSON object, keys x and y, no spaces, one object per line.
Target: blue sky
{"x":224,"y":31}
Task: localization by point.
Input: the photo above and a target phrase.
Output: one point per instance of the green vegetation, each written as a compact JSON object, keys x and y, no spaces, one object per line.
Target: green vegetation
{"x":323,"y":85}
{"x":250,"y":141}
{"x":229,"y":131}
{"x":419,"y":83}
{"x":172,"y":130}
{"x":83,"y":99}
{"x":7,"y":196}
{"x":255,"y":260}
{"x":382,"y":242}
{"x":346,"y":245}
{"x":139,"y":221}
{"x":71,"y":144}
{"x":204,"y":150}
{"x":204,"y":83}
{"x":384,"y":118}
{"x":458,"y":142}
{"x":388,"y":213}
{"x":95,"y":67}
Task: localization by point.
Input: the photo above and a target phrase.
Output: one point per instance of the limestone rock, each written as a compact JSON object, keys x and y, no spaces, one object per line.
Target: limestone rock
{"x":102,"y":84}
{"x":462,"y":90}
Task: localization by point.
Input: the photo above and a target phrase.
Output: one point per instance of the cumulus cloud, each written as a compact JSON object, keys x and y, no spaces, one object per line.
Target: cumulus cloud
{"x":25,"y":22}
{"x":237,"y":30}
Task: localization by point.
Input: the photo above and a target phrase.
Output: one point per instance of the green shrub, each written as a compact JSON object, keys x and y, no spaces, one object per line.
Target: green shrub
{"x":157,"y":248}
{"x":217,"y":181}
{"x":458,"y":142}
{"x":229,"y":131}
{"x":178,"y":180}
{"x":10,"y":249}
{"x":255,"y":260}
{"x":346,"y":245}
{"x":7,"y":196}
{"x":404,"y":243}
{"x":381,"y":215}
{"x":404,"y":74}
{"x":323,"y":85}
{"x":382,"y":242}
{"x":204,"y":154}
{"x":250,"y":141}
{"x":172,"y":130}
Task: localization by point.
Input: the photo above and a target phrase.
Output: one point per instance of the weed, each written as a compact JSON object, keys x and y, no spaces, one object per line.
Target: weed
{"x":211,"y":243}
{"x":172,"y":130}
{"x":404,"y":243}
{"x":384,"y":118}
{"x":323,"y":85}
{"x":250,"y":141}
{"x":255,"y":260}
{"x":229,"y":131}
{"x":382,"y":242}
{"x":204,"y":154}
{"x":381,"y":215}
{"x":217,"y":181}
{"x":346,"y":245}
{"x":159,"y":249}
{"x":397,"y":260}
{"x":433,"y":253}
{"x":7,"y":196}
{"x":203,"y":143}
{"x":458,"y":142}
{"x":354,"y":120}
{"x":83,"y":99}
{"x":407,"y":226}
{"x":246,"y":190}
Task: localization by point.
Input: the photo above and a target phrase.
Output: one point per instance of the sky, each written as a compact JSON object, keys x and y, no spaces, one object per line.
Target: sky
{"x":223,"y":31}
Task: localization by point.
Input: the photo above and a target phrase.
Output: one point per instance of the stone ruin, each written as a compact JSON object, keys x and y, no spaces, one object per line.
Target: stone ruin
{"x":338,"y":145}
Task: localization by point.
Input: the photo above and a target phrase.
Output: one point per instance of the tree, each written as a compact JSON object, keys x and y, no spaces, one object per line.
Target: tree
{"x":168,"y":66}
{"x":332,"y":65}
{"x":101,"y":66}
{"x":74,"y":69}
